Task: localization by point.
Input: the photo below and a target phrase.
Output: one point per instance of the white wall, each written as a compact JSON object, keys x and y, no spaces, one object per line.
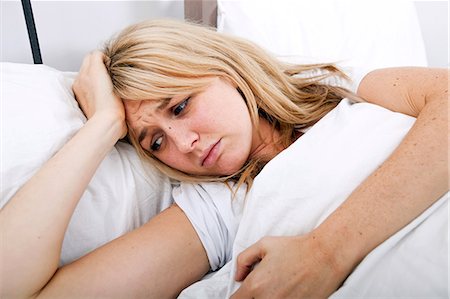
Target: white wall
{"x":434,"y":20}
{"x":69,"y":29}
{"x":63,"y":45}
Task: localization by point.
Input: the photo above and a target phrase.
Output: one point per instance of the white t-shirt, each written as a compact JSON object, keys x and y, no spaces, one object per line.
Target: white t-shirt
{"x":215,"y":214}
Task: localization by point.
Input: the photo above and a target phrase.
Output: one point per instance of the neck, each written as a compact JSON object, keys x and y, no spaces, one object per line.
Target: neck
{"x":265,"y":144}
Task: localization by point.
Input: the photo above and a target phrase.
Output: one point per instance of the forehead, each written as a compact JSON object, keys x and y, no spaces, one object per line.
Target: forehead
{"x":139,"y":112}
{"x":137,"y":107}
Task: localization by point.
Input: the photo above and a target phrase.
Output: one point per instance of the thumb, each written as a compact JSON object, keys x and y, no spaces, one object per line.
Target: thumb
{"x":248,"y":259}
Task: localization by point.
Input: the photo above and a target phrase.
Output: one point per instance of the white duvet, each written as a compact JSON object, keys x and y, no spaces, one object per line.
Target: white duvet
{"x":299,"y":188}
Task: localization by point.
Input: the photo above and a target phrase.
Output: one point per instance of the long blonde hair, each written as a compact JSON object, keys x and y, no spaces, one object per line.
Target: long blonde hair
{"x":161,"y":59}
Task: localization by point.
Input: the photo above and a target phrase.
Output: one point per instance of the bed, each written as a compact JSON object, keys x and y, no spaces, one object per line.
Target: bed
{"x":364,"y":35}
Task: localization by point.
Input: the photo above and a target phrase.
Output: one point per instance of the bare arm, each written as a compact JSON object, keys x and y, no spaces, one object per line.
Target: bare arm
{"x":413,"y":177}
{"x":407,"y":183}
{"x":157,"y":260}
{"x":34,"y":221}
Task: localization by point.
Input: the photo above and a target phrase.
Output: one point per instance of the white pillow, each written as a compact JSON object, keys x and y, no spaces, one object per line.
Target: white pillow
{"x":39,"y":115}
{"x":359,"y":35}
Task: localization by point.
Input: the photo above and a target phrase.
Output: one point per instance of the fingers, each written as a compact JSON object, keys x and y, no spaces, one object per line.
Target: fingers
{"x":257,"y":267}
{"x":98,"y":59}
{"x":92,"y":64}
{"x":254,"y":285}
{"x":247,"y":260}
{"x":242,"y":293}
{"x":93,"y":88}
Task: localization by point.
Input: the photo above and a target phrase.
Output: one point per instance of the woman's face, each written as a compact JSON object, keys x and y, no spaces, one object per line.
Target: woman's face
{"x":208,"y":133}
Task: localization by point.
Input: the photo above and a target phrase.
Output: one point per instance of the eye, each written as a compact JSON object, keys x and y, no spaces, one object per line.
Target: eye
{"x":180,"y":107}
{"x":156,"y":145}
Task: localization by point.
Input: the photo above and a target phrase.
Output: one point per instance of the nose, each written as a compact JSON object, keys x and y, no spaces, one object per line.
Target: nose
{"x":184,"y":139}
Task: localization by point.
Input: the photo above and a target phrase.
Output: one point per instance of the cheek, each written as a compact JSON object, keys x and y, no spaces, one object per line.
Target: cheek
{"x":174,"y":161}
{"x":233,"y":160}
{"x":173,"y":158}
{"x":240,"y":143}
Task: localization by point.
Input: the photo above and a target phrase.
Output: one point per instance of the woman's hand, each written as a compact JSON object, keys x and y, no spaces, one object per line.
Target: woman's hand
{"x":94,"y":91}
{"x":289,"y":267}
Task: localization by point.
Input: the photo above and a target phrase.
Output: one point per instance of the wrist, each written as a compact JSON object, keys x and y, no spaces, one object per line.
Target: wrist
{"x":338,"y":245}
{"x":113,"y":124}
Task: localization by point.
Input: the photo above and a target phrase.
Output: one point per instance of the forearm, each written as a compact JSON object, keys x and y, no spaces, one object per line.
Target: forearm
{"x":157,"y":260}
{"x":33,"y":223}
{"x":412,"y":179}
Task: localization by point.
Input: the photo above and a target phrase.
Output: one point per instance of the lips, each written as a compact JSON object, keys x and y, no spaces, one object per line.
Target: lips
{"x":211,"y":154}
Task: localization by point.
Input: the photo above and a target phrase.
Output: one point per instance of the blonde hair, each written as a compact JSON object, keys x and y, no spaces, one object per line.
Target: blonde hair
{"x":161,"y":59}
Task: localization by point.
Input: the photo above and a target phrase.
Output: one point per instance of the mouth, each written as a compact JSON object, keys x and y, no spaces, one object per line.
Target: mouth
{"x":211,"y":155}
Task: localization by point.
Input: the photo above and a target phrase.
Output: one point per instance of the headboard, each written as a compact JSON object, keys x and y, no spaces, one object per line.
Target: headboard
{"x":32,"y":34}
{"x":201,"y":11}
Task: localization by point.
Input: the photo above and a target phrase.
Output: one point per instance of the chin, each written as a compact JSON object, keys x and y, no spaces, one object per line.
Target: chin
{"x":230,"y":170}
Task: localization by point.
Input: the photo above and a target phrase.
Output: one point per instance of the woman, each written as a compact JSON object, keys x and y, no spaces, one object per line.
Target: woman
{"x":170,"y":76}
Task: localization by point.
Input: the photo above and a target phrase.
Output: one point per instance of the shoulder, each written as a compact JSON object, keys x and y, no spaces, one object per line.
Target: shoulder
{"x":403,"y":89}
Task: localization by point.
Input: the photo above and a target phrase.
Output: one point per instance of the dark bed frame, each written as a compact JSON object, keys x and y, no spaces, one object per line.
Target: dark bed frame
{"x":32,"y":34}
{"x":199,"y":11}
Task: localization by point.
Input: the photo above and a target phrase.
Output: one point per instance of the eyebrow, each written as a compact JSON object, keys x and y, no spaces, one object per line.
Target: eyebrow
{"x":142,"y":135}
{"x":161,"y":106}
